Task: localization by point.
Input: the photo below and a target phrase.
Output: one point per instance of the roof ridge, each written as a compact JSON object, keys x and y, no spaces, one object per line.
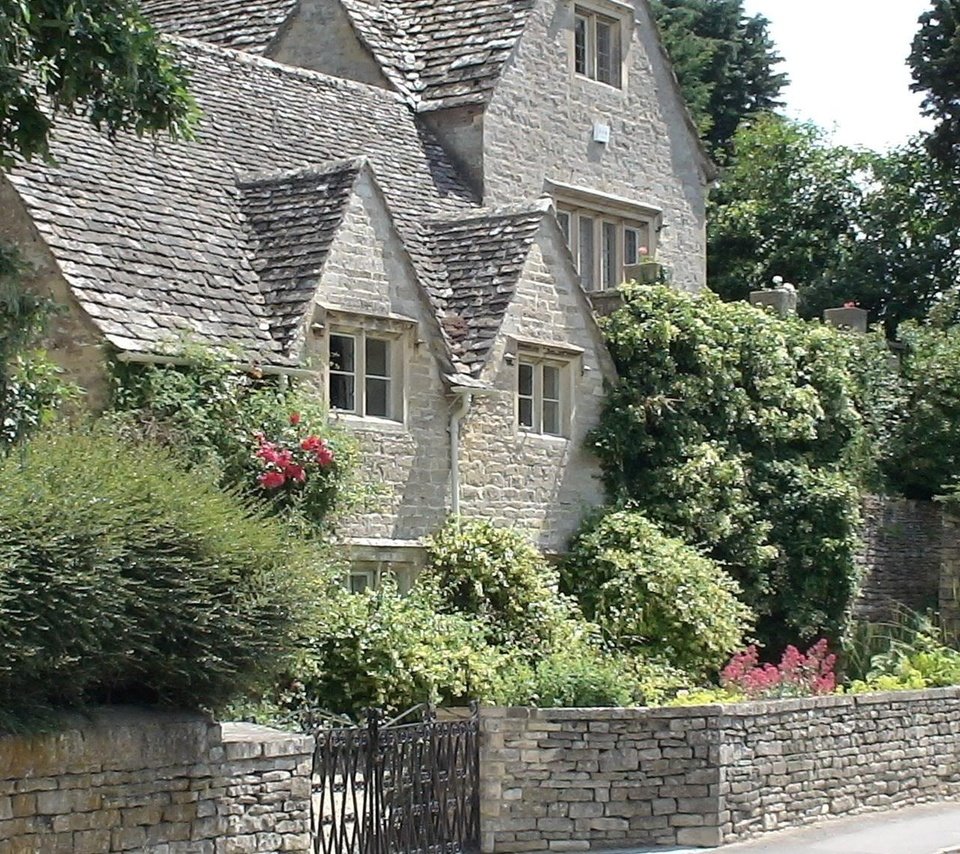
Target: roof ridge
{"x":290,"y":71}
{"x":321,"y":170}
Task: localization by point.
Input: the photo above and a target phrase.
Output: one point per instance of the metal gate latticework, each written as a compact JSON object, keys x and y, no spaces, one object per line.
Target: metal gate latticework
{"x":398,"y":788}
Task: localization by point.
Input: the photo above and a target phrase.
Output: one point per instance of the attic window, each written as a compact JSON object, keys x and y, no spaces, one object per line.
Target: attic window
{"x":597,"y":40}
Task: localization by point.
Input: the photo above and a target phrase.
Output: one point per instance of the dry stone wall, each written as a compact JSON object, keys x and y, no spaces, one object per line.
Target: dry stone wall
{"x":579,"y":779}
{"x":126,"y":780}
{"x":901,"y":555}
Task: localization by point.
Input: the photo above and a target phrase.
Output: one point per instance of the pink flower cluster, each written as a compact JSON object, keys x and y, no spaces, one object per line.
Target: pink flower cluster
{"x":290,"y":464}
{"x":797,"y":675}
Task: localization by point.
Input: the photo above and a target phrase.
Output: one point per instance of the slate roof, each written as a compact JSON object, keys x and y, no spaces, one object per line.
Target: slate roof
{"x":437,"y":53}
{"x":249,"y":25}
{"x":482,"y":258}
{"x":292,"y":220}
{"x":440,"y":53}
{"x":222,"y":238}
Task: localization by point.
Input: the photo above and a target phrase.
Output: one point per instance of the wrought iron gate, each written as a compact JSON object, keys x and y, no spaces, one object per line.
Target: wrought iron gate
{"x":398,"y":788}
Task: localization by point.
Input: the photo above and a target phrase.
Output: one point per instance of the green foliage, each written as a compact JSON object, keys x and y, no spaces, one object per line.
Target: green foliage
{"x":209,"y":414}
{"x":98,"y":57}
{"x":924,"y":449}
{"x":739,"y":432}
{"x":786,"y":206}
{"x":498,"y":576}
{"x":381,"y":649}
{"x":576,"y":673}
{"x":935,"y":63}
{"x":907,"y":653}
{"x":651,"y":594}
{"x":31,"y":388}
{"x":124,"y":579}
{"x":724,"y":62}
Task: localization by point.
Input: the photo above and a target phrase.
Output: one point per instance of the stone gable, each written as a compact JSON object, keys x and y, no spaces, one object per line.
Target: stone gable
{"x":417,"y":209}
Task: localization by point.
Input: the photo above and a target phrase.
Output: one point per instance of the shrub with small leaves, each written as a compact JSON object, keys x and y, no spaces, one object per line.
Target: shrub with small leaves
{"x":124,"y":578}
{"x":239,"y":426}
{"x":497,"y":575}
{"x":653,"y":595}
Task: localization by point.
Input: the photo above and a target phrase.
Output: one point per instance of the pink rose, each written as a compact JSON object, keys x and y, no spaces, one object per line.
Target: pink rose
{"x":272,"y":479}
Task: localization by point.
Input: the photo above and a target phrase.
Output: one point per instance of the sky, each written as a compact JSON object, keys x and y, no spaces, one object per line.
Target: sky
{"x":846,"y":60}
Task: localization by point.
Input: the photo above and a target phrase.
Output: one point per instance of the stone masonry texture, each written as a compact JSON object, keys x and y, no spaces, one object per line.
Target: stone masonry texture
{"x":130,"y":780}
{"x":900,"y":555}
{"x":583,"y":779}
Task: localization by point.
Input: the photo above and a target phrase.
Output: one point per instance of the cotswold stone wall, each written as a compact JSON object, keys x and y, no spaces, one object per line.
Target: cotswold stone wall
{"x":578,"y":779}
{"x":126,"y":780}
{"x":901,"y":555}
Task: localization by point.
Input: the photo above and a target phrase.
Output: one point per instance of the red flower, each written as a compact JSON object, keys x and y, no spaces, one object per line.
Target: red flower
{"x":294,"y":418}
{"x":324,"y":456}
{"x":272,"y":479}
{"x":311,"y":443}
{"x":295,"y":472}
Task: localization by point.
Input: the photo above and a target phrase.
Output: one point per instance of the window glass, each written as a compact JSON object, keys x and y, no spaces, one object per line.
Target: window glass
{"x":342,"y":389}
{"x":610,"y":270}
{"x":551,"y":400}
{"x":563,"y":217}
{"x":586,"y":255}
{"x":378,"y":397}
{"x":525,"y":394}
{"x":580,"y":44}
{"x":604,"y":51}
{"x":631,"y":246}
{"x":378,"y":358}
{"x":342,"y":353}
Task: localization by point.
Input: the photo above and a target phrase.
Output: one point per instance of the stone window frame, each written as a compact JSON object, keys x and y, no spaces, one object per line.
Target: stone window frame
{"x":400,"y":334}
{"x":540,"y":356}
{"x":587,"y":18}
{"x":606,"y":214}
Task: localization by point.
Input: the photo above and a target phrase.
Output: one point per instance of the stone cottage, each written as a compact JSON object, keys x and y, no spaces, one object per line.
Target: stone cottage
{"x":412,"y":202}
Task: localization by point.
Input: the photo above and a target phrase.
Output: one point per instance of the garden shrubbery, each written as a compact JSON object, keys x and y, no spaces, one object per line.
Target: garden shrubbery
{"x":652,"y":595}
{"x":124,"y":578}
{"x":270,"y":441}
{"x":499,"y":577}
{"x":740,"y":433}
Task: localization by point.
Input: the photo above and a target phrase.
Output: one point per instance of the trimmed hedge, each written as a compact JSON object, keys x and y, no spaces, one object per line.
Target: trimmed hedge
{"x":123,"y":578}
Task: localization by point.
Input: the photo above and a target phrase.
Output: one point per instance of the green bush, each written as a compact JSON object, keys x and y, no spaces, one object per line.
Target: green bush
{"x":651,"y":594}
{"x":381,"y":649}
{"x":220,"y":419}
{"x":745,"y":435}
{"x":925,"y":446}
{"x":498,"y":576}
{"x":123,"y":578}
{"x":31,"y":386}
{"x":577,"y":675}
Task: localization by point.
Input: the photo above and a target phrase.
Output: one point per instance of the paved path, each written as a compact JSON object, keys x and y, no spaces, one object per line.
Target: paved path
{"x":918,"y":830}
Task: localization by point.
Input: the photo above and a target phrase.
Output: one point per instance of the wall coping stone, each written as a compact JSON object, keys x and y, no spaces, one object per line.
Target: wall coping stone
{"x":747,"y":708}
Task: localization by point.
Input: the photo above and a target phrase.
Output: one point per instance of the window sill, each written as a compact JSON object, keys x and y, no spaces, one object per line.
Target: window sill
{"x":542,"y":438}
{"x":368,"y":423}
{"x":589,"y":82}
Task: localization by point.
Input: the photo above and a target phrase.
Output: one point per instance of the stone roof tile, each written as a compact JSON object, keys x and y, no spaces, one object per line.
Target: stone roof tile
{"x":249,"y":25}
{"x":153,"y":228}
{"x":482,"y":258}
{"x":440,"y":53}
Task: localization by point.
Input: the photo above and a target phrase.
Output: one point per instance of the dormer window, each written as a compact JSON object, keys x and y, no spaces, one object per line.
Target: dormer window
{"x":597,"y":40}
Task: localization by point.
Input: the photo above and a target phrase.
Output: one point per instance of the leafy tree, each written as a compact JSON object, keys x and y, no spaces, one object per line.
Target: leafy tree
{"x":924,"y":454}
{"x":906,"y":251}
{"x":724,"y":61}
{"x":96,"y":56}
{"x":739,"y":433}
{"x":786,"y":206}
{"x":935,"y":62}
